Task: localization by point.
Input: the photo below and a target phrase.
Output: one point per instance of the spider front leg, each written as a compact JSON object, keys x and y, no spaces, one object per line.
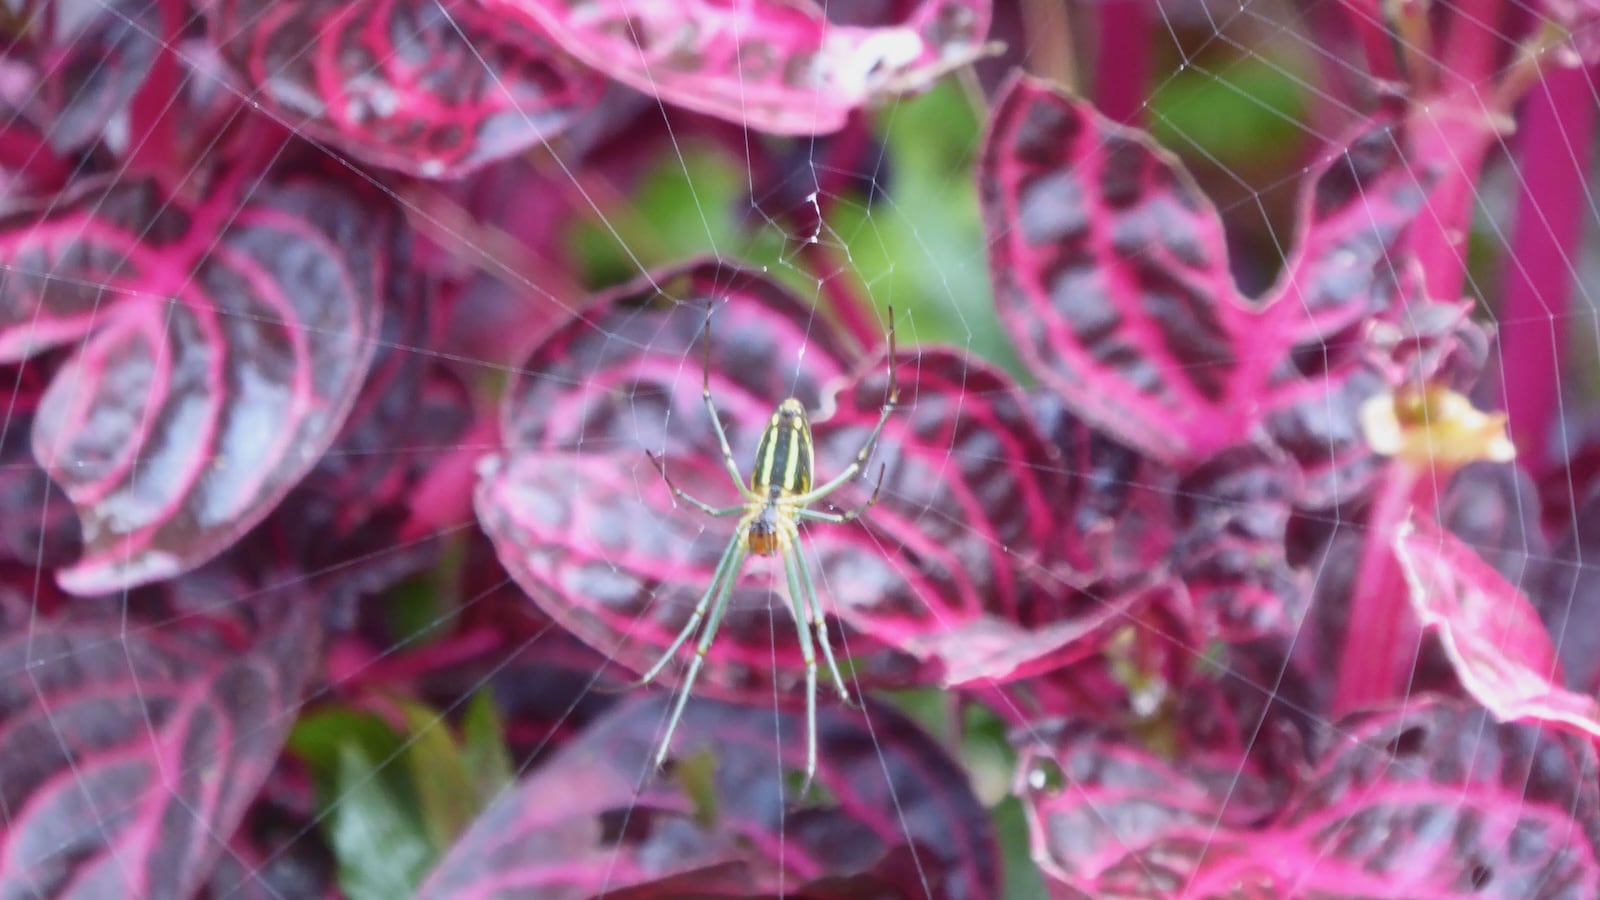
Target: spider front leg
{"x":849,"y":515}
{"x":891,"y":401}
{"x":728,"y":462}
{"x":708,"y":509}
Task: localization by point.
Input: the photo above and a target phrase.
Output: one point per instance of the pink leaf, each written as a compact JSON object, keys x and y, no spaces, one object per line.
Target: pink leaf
{"x":1432,"y":801}
{"x":774,"y":65}
{"x":226,"y":343}
{"x":1491,"y":632}
{"x":1112,"y":273}
{"x":136,"y":731}
{"x":901,"y":821}
{"x":956,"y":567}
{"x":429,"y":89}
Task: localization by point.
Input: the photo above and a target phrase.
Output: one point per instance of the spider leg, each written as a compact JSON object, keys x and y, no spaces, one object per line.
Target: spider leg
{"x":797,"y":607}
{"x":720,"y":608}
{"x":708,"y":509}
{"x":818,"y":621}
{"x":890,"y":404}
{"x":728,"y":462}
{"x":848,"y":515}
{"x":721,"y":574}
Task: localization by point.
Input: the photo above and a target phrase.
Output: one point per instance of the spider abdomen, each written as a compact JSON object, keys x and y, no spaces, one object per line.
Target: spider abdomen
{"x":763,"y":533}
{"x":784,"y":458}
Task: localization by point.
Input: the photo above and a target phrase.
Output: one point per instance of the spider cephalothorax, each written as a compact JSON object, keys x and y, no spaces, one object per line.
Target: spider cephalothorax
{"x":778,"y":498}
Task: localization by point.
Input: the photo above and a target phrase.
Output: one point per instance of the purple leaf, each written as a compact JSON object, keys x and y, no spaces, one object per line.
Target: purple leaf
{"x":903,"y":821}
{"x":1097,"y":801}
{"x":1112,"y":274}
{"x":1438,"y":800}
{"x":226,"y":342}
{"x":1433,"y":801}
{"x":1568,"y":597}
{"x":130,"y":740}
{"x":402,"y":83}
{"x":583,"y":522}
{"x":84,"y":76}
{"x":773,"y":65}
{"x":1232,"y":513}
{"x":1491,"y":633}
{"x":346,"y":518}
{"x":42,"y":531}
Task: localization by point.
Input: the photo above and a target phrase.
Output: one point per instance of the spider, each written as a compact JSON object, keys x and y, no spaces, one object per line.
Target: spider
{"x":776,"y":502}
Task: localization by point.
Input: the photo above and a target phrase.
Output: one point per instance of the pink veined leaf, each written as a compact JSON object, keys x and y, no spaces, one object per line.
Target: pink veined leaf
{"x":954,"y":575}
{"x":48,"y":535}
{"x":980,"y":556}
{"x":1098,"y":803}
{"x":1111,"y":272}
{"x":582,"y":520}
{"x":226,"y":342}
{"x":1436,"y":800}
{"x":345,"y":518}
{"x":901,"y":820}
{"x":778,"y":66}
{"x":406,"y":84}
{"x":1232,"y":515}
{"x":136,"y":731}
{"x":1492,"y":634}
{"x":84,"y":76}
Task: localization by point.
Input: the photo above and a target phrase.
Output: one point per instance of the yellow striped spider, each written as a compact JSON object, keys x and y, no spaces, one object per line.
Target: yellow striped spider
{"x":776,"y":502}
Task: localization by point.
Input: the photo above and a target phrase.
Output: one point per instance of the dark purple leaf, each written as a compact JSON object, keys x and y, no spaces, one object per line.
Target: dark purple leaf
{"x":1112,"y":273}
{"x":84,"y":75}
{"x":1491,"y":632}
{"x":405,"y":84}
{"x":1438,"y":800}
{"x":41,"y":530}
{"x":957,"y":564}
{"x":276,"y":853}
{"x":132,"y":740}
{"x":1099,"y":803}
{"x":1494,"y":508}
{"x":774,"y":65}
{"x":226,"y":343}
{"x":347,"y":518}
{"x":1121,"y":521}
{"x":1233,"y":513}
{"x":1434,"y":801}
{"x":1568,"y":597}
{"x":902,"y":820}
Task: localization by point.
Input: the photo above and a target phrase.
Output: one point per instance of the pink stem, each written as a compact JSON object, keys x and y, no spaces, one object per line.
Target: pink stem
{"x":152,"y":113}
{"x":1457,"y":132}
{"x":1367,"y":20}
{"x":1122,"y":60}
{"x":1556,"y":137}
{"x":1379,"y":640}
{"x":23,"y":150}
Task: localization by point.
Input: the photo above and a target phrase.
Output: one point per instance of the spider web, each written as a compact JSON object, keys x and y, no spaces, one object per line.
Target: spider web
{"x":896,"y":223}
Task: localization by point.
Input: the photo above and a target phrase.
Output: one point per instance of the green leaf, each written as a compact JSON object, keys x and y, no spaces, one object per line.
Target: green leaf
{"x":382,"y":848}
{"x":447,"y":796}
{"x":923,"y":248}
{"x":319,"y":737}
{"x":1241,"y":115}
{"x":483,"y":749}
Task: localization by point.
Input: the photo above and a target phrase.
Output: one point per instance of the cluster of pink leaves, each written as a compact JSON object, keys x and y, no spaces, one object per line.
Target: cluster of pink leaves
{"x":233,"y":424}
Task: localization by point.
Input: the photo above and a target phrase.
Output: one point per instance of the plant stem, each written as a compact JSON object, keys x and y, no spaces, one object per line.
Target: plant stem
{"x":1379,"y":638}
{"x":1556,"y":140}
